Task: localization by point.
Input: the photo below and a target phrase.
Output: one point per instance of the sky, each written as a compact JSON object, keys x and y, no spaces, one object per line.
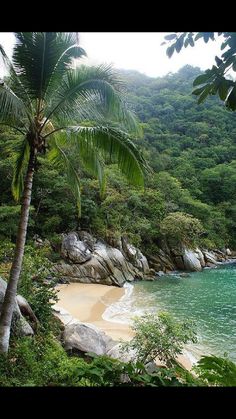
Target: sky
{"x":141,"y":51}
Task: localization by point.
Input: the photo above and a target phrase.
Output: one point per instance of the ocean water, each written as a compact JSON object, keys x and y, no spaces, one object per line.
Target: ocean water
{"x":208,"y":298}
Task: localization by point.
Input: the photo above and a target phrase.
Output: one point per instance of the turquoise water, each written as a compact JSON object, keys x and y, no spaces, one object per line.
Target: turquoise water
{"x":207,"y":297}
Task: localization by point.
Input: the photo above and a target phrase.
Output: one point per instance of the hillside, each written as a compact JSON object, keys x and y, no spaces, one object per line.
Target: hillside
{"x":192,"y":151}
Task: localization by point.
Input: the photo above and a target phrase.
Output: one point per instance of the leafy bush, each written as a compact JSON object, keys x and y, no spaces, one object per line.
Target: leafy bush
{"x":159,"y":336}
{"x":39,"y":361}
{"x":179,"y":227}
{"x":216,"y":371}
{"x":37,"y":286}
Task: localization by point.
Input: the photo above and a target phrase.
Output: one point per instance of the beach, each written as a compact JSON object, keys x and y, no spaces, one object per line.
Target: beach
{"x":87,"y":303}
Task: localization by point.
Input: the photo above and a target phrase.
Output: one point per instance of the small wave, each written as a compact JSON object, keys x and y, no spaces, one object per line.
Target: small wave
{"x":120,"y":311}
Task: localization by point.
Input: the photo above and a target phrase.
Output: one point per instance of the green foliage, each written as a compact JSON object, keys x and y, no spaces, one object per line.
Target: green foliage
{"x":39,"y":361}
{"x":36,"y":288}
{"x":180,"y":228}
{"x":159,"y":336}
{"x":213,"y":81}
{"x":216,"y":371}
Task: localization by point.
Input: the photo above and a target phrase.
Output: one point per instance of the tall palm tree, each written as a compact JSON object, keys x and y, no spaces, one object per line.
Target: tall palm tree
{"x":55,"y":107}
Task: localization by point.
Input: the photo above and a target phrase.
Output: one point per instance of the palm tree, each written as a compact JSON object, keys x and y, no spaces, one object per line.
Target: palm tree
{"x":56,"y":107}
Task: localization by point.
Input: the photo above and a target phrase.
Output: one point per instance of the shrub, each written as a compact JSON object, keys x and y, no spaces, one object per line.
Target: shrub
{"x":216,"y":371}
{"x":179,"y":227}
{"x":159,"y":336}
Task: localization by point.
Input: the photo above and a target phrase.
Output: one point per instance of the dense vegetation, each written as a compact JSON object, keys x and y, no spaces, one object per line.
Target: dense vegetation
{"x":190,"y":195}
{"x":191,"y":149}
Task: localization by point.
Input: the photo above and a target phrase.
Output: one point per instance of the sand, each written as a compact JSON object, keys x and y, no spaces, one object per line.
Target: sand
{"x":87,"y":303}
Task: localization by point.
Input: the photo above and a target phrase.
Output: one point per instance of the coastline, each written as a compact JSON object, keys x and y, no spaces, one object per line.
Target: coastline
{"x":88,"y":303}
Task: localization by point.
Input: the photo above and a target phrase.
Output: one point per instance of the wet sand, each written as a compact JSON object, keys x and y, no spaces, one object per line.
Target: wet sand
{"x":87,"y":303}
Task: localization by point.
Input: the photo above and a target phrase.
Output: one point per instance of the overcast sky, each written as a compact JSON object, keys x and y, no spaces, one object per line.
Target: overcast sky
{"x":137,"y":51}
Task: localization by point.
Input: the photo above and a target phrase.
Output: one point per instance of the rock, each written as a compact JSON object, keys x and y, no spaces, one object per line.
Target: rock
{"x":26,"y":310}
{"x":228,"y":252}
{"x":19,"y":325}
{"x":87,"y":238}
{"x":134,"y":256}
{"x":191,"y":262}
{"x":179,"y":262}
{"x":184,"y":275}
{"x":200,"y":257}
{"x":117,"y":353}
{"x":161,"y":261}
{"x":74,"y":249}
{"x":160,"y":273}
{"x":83,"y":337}
{"x":210,"y":258}
{"x":99,"y":263}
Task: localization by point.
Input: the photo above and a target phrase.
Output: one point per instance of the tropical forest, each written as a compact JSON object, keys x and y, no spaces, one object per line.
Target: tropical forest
{"x":117,"y":217}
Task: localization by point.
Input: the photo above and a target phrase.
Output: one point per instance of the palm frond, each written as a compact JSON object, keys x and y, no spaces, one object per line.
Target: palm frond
{"x":61,"y":160}
{"x":85,"y":86}
{"x":93,"y":163}
{"x":13,"y":80}
{"x":21,"y":161}
{"x":115,"y":145}
{"x":12,"y":110}
{"x":41,"y":58}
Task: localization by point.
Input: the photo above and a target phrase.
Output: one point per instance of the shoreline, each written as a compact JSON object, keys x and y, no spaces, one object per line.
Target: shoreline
{"x":88,"y":303}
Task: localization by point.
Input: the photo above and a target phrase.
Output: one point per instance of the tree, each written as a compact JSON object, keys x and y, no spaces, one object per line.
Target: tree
{"x":56,"y":108}
{"x":159,"y":336}
{"x":213,"y":81}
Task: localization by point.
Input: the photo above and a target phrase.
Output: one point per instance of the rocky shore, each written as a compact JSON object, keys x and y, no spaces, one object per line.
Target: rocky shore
{"x":87,"y":260}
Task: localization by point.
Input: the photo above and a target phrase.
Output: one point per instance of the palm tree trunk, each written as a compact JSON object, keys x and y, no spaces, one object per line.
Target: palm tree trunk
{"x":11,"y":291}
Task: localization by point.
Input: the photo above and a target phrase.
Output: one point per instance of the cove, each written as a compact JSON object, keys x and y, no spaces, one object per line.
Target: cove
{"x":208,"y":298}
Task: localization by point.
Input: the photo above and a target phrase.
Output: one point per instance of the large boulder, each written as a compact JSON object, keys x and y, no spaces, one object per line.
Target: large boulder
{"x":191,"y":260}
{"x":91,"y":261}
{"x":210,"y":258}
{"x":84,"y":337}
{"x":74,"y":249}
{"x":19,"y":325}
{"x":134,"y":256}
{"x":200,"y":257}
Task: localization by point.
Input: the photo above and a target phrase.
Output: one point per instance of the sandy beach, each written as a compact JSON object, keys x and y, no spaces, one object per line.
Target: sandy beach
{"x":87,"y":303}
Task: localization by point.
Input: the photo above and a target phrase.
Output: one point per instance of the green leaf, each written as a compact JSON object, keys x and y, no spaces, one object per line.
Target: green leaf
{"x":205,"y":93}
{"x":170,"y":51}
{"x":198,"y":91}
{"x":202,"y":78}
{"x":179,"y":44}
{"x":198,"y":36}
{"x":218,"y":61}
{"x":231,"y":100}
{"x":191,"y":42}
{"x":186,"y":42}
{"x":223,"y":89}
{"x":21,"y":161}
{"x":170,"y":37}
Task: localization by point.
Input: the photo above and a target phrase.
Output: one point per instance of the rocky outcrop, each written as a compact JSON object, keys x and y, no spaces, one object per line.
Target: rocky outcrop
{"x":19,"y":324}
{"x":89,"y":260}
{"x":75,"y":250}
{"x":191,"y":261}
{"x":83,"y":338}
{"x":185,"y":259}
{"x":161,"y":261}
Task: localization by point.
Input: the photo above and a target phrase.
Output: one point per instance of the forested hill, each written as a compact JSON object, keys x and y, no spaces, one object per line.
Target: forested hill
{"x":192,"y":150}
{"x":195,"y":143}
